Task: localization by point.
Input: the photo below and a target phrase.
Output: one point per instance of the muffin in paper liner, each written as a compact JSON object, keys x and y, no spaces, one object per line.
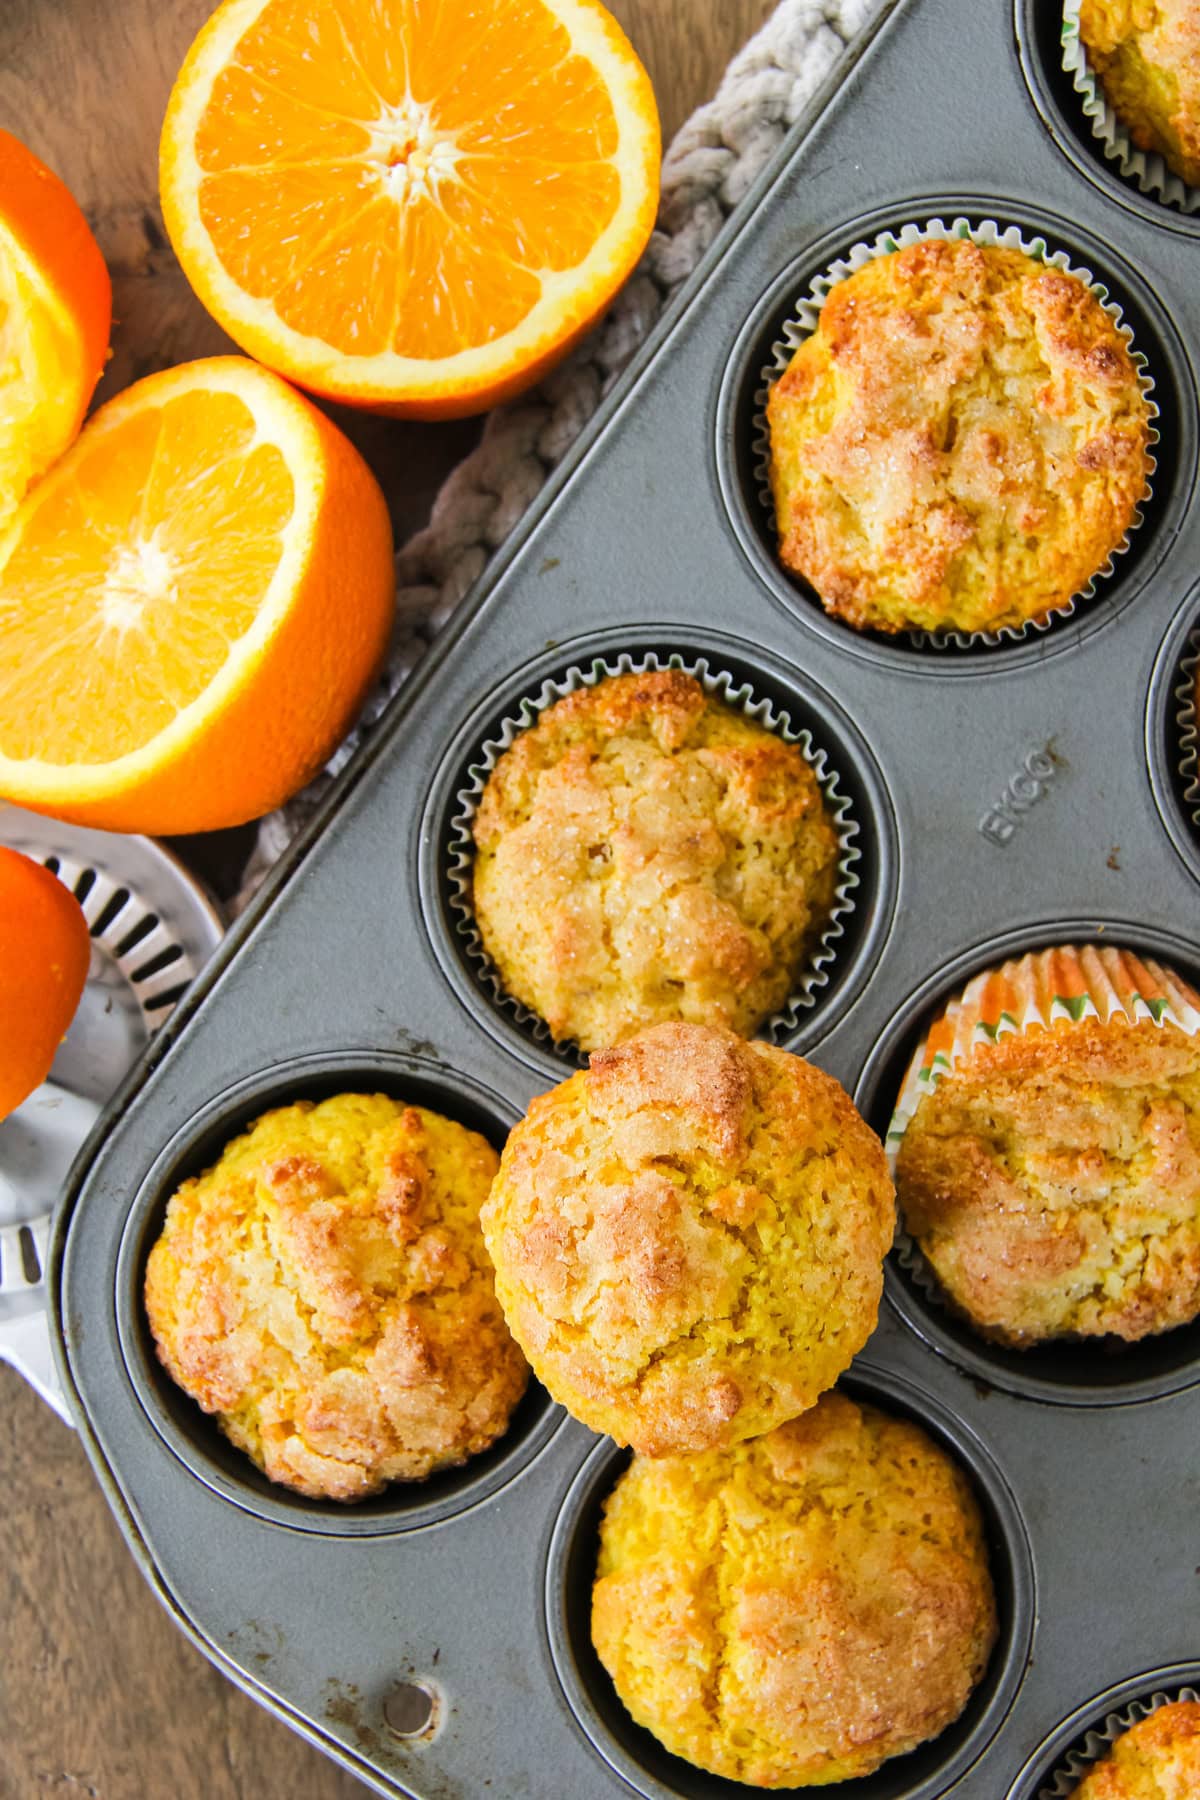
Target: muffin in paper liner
{"x":1093,"y":981}
{"x":803,"y":322}
{"x":1147,"y":169}
{"x":1187,"y":727}
{"x":1063,"y":1781}
{"x":1033,"y":992}
{"x":736,"y":692}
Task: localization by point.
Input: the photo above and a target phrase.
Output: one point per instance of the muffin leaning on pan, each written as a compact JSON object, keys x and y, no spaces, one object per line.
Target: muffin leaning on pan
{"x":689,"y":1237}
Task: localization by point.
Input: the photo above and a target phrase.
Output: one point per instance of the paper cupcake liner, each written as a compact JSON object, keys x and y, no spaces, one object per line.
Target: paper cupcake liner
{"x":803,"y":322}
{"x":1148,"y":170}
{"x":1187,"y":728}
{"x":1064,"y":1780}
{"x":734,"y":692}
{"x":1073,"y":983}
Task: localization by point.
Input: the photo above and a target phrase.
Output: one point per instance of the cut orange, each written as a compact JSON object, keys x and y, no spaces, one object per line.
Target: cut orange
{"x":45,"y":949}
{"x":55,"y":313}
{"x":412,"y":205}
{"x":192,"y":604}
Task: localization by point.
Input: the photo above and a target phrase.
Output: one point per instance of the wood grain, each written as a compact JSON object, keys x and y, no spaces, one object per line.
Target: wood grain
{"x":100,"y":1697}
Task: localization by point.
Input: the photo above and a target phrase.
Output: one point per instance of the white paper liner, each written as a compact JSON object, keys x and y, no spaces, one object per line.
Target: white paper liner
{"x":1145,"y":168}
{"x":734,"y":692}
{"x":803,"y":322}
{"x":1065,"y":1779}
{"x":1187,"y":728}
{"x":925,"y":1071}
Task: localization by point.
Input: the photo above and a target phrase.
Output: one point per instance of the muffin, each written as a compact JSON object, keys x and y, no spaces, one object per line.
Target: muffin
{"x":1156,"y":1759}
{"x":689,"y":1238}
{"x":960,"y":445}
{"x":794,"y":1611}
{"x":1146,"y":55}
{"x":324,"y":1291}
{"x":1050,"y":1170}
{"x":646,"y":852}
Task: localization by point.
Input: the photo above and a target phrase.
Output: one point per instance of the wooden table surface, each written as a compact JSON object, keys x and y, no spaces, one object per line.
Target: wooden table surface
{"x":100,"y":1698}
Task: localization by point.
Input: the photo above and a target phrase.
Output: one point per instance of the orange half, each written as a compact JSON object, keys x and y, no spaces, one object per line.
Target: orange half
{"x":411,"y":205}
{"x":55,"y":313}
{"x":193,"y":602}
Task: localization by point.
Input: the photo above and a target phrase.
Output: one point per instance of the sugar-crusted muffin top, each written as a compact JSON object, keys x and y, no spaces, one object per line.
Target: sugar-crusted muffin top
{"x":689,"y":1237}
{"x":646,"y":852}
{"x":795,"y":1610}
{"x":960,"y":444}
{"x":1147,"y":56}
{"x":1052,"y":1180}
{"x":324,"y":1290}
{"x":1156,"y":1759}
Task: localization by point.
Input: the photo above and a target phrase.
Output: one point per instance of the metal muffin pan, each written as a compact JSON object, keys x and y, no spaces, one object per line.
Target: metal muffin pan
{"x":1008,"y":796}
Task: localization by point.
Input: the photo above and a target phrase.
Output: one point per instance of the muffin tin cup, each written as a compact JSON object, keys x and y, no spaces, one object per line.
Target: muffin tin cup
{"x":1072,"y":1751}
{"x":928,"y":1771}
{"x":740,"y":675}
{"x":1173,"y":732}
{"x":1148,"y":170}
{"x":719,"y":684}
{"x":192,"y":1435}
{"x":1090,"y":1372}
{"x":803,"y":323}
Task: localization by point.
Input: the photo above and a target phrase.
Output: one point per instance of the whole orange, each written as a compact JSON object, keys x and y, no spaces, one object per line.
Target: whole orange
{"x":44,"y":954}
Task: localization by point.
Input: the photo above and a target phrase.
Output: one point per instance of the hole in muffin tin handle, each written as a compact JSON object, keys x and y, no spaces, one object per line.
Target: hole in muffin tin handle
{"x":152,"y":927}
{"x":411,"y":1710}
{"x":25,"y":1346}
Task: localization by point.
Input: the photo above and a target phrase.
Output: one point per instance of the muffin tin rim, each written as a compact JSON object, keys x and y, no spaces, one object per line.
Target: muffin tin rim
{"x":1046,"y":1757}
{"x":877,"y":1385}
{"x":1161,"y":724}
{"x":1170,"y":368}
{"x":877,"y":841}
{"x":279,"y":1084}
{"x":935,"y":1323}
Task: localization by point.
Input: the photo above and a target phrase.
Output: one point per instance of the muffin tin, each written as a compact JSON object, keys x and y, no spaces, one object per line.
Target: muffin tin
{"x":1007,"y":796}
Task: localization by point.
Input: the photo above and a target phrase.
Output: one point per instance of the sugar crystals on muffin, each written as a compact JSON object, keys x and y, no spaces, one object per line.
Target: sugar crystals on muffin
{"x":960,"y":445}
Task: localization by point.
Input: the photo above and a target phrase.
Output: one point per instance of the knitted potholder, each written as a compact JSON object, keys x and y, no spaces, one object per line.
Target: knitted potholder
{"x":711,"y":163}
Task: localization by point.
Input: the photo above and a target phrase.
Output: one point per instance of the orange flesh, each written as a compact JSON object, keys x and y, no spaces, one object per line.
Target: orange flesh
{"x":492,"y":134}
{"x":138,"y":576}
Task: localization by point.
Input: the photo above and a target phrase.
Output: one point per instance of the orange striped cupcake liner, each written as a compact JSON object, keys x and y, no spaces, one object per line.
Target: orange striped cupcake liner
{"x":1048,"y":988}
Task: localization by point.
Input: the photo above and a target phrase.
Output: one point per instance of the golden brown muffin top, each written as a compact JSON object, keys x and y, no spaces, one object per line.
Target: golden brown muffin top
{"x":324,"y":1290}
{"x":960,"y":445}
{"x":1052,"y":1179}
{"x":1156,"y":1759}
{"x":689,"y":1237}
{"x":646,"y":852}
{"x":1147,"y":55}
{"x":796,"y":1610}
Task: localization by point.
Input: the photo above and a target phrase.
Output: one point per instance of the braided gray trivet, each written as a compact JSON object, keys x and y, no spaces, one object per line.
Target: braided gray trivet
{"x":709,"y":166}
